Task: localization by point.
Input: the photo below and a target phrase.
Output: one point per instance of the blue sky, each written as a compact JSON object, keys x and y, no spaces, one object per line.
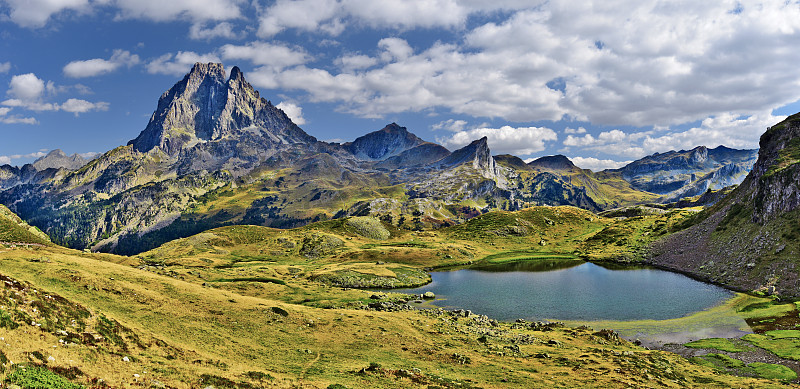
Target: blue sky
{"x":601,"y":82}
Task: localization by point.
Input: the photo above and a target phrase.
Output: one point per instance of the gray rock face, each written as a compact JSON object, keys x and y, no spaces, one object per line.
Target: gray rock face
{"x":57,"y":159}
{"x":205,"y":106}
{"x":689,"y":172}
{"x":553,"y":162}
{"x":476,"y":154}
{"x":388,"y":142}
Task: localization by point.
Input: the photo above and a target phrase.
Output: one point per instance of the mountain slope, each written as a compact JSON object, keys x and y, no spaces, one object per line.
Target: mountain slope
{"x":686,"y":173}
{"x":15,"y":230}
{"x":750,"y":239}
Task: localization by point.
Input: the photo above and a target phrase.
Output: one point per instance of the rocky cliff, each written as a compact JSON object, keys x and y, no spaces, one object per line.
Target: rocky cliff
{"x":750,"y":239}
{"x":206,"y":106}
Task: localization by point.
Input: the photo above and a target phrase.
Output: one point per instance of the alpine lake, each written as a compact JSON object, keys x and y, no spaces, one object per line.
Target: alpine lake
{"x":645,"y":304}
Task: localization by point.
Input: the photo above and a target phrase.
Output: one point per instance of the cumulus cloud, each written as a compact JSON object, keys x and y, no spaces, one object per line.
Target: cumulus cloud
{"x":665,"y":67}
{"x":293,"y":111}
{"x":178,"y":64}
{"x":332,"y":16}
{"x":36,"y":13}
{"x":503,"y":140}
{"x":597,"y":165}
{"x":98,"y":66}
{"x":26,"y":87}
{"x":277,"y":56}
{"x":5,"y":67}
{"x":350,"y":63}
{"x":28,"y":91}
{"x":579,"y":130}
{"x":221,"y":30}
{"x":450,"y":125}
{"x":395,"y":49}
{"x":78,"y":106}
{"x":14,"y":119}
{"x":160,"y":10}
{"x":6,"y":159}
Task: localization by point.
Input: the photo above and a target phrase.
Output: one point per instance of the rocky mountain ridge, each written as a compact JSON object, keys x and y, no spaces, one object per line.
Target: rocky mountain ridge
{"x":750,"y":239}
{"x":216,"y":153}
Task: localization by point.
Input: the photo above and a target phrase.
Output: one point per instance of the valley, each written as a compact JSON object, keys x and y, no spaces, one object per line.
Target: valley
{"x":225,"y":247}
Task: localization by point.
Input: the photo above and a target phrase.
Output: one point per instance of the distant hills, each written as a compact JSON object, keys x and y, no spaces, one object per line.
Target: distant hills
{"x":216,"y":153}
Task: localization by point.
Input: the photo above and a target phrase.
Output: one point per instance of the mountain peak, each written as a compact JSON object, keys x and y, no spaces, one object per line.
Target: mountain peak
{"x":203,"y":70}
{"x":58,"y":159}
{"x":553,"y":162}
{"x":387,"y":142}
{"x":476,"y":153}
{"x":205,"y":106}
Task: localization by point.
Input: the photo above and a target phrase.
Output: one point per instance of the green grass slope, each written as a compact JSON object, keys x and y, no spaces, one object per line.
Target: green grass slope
{"x":69,"y":318}
{"x":15,"y":230}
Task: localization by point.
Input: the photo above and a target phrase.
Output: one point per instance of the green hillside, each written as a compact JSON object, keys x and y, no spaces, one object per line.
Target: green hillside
{"x":15,"y":230}
{"x":251,"y":307}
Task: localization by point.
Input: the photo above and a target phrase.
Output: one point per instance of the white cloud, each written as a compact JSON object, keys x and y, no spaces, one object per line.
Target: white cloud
{"x":579,"y":130}
{"x":221,"y":30}
{"x":78,"y":106}
{"x":726,"y":129}
{"x":178,"y":64}
{"x":89,"y":154}
{"x":394,"y":49}
{"x":306,"y":15}
{"x":293,"y":111}
{"x":6,"y":159}
{"x":14,"y":119}
{"x":161,"y":11}
{"x":36,"y":13}
{"x":269,"y":54}
{"x":29,"y":91}
{"x":597,"y":165}
{"x":26,"y":87}
{"x":332,"y":16}
{"x":349,"y":63}
{"x":5,"y":67}
{"x":98,"y":66}
{"x":450,"y":125}
{"x":503,"y":140}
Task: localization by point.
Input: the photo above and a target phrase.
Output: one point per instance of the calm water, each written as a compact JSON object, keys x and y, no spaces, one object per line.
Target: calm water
{"x":571,"y":290}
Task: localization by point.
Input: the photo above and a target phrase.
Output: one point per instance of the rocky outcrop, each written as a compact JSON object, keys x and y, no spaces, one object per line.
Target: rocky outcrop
{"x":750,"y":239}
{"x":57,"y":159}
{"x":207,"y":106}
{"x":553,"y":163}
{"x":424,"y":154}
{"x":392,"y":140}
{"x":476,"y":155}
{"x":683,"y":173}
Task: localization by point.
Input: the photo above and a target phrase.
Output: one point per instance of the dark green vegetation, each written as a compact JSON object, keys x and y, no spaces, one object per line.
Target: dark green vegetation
{"x":35,"y":377}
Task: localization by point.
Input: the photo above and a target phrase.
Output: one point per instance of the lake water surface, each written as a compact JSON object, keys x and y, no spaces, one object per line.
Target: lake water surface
{"x":571,"y":290}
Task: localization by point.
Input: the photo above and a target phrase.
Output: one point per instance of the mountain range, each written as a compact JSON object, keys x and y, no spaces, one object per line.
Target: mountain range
{"x":216,"y":153}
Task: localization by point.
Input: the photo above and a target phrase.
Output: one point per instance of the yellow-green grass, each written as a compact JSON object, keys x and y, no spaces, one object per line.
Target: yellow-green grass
{"x":190,"y":335}
{"x":773,"y":371}
{"x":726,"y":315}
{"x":721,"y":344}
{"x":788,"y":348}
